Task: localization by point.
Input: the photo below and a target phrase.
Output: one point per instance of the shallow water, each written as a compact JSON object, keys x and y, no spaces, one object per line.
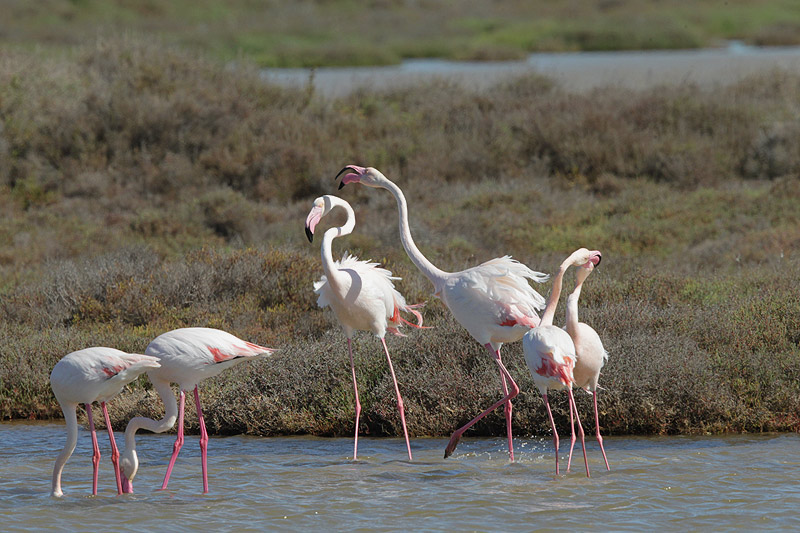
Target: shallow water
{"x":574,"y":71}
{"x":292,"y":483}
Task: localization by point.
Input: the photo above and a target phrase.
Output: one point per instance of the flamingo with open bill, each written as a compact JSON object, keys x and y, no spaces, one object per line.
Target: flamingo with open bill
{"x":493,"y":301}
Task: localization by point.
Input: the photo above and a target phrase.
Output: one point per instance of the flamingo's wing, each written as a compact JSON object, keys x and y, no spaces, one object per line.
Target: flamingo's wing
{"x":506,"y":279}
{"x":197,"y":347}
{"x":501,"y":284}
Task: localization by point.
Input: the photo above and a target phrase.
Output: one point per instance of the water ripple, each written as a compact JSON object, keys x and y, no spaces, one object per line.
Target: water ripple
{"x":285,"y":484}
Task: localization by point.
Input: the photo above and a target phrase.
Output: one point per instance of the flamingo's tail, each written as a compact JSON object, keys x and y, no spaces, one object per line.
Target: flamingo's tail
{"x":397,"y":320}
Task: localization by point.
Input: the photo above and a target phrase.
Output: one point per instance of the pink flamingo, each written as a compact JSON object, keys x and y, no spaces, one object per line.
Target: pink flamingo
{"x":361,"y":295}
{"x":591,"y":356}
{"x":493,"y":300}
{"x":187,"y":356}
{"x":550,"y":352}
{"x":86,"y":376}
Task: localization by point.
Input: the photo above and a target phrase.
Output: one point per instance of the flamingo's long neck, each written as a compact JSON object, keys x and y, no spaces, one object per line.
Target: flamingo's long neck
{"x":327,"y":241}
{"x":572,"y":310}
{"x":555,"y":294}
{"x":436,"y":275}
{"x":156,"y":426}
{"x":71,"y":420}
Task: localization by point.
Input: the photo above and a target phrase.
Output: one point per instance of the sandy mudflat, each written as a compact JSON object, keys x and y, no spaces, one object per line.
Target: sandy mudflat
{"x":574,"y":71}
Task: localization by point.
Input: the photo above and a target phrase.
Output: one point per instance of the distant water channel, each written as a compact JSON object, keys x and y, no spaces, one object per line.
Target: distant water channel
{"x":575,"y":71}
{"x":719,"y":483}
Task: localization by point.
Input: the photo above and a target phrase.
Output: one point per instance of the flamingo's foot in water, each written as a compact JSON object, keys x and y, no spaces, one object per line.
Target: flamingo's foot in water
{"x":451,"y":446}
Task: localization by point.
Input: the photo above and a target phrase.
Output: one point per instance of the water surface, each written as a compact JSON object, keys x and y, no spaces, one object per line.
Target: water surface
{"x":736,"y":482}
{"x":575,"y":71}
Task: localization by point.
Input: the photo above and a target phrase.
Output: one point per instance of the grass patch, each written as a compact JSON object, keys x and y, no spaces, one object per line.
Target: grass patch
{"x":310,"y":33}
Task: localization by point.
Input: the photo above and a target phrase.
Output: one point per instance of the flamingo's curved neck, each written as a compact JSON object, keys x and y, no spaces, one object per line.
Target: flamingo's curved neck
{"x":555,"y":293}
{"x":71,"y":420}
{"x":572,"y":310}
{"x":436,"y":275}
{"x":156,"y":426}
{"x":330,"y":234}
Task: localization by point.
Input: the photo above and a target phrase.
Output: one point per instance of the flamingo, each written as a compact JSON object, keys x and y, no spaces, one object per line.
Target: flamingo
{"x":187,"y":356}
{"x":550,"y":352}
{"x":86,"y":376}
{"x":591,"y":356}
{"x":493,"y":300}
{"x":361,"y":295}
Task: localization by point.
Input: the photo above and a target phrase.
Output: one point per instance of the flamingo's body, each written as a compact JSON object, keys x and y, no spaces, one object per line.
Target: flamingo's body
{"x":550,"y":351}
{"x":493,"y":301}
{"x":591,"y":355}
{"x":361,"y":295}
{"x":187,"y":356}
{"x":86,"y":376}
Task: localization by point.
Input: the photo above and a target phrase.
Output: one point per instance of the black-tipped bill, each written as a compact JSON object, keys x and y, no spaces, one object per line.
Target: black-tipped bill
{"x":309,"y":234}
{"x":345,"y":169}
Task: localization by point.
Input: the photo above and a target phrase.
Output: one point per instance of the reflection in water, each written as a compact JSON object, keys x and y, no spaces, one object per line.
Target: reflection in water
{"x":288,"y":483}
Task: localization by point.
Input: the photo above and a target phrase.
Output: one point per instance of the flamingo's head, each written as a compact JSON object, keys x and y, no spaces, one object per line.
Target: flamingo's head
{"x":128,"y":465}
{"x":592,"y":261}
{"x":371,"y":177}
{"x":322,"y":206}
{"x":583,"y":257}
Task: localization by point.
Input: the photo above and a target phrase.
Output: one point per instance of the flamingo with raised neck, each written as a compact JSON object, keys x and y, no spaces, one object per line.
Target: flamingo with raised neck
{"x":493,"y":301}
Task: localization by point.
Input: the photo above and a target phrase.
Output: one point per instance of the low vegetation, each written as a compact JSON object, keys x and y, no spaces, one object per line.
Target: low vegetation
{"x":144,"y":188}
{"x":307,"y":33}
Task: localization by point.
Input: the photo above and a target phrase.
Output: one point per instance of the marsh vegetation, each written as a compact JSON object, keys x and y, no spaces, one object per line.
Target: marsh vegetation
{"x":145,"y":188}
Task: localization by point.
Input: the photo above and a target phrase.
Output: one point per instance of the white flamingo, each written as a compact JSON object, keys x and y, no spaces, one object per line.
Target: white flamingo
{"x":361,"y":295}
{"x":550,"y":352}
{"x":591,"y":356}
{"x":493,"y":300}
{"x":187,"y":356}
{"x":92,"y":375}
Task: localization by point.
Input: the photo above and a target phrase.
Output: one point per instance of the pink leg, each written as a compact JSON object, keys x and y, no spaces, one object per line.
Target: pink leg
{"x":399,"y":398}
{"x":553,"y":426}
{"x":571,"y":436}
{"x":358,"y":402}
{"x":597,"y":426}
{"x":178,"y":442}
{"x":114,"y":449}
{"x":580,"y":429}
{"x":203,"y":439}
{"x":96,"y":454}
{"x":507,"y":410}
{"x":451,"y":446}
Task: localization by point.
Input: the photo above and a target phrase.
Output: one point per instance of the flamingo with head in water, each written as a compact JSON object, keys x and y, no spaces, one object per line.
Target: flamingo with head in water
{"x":550,"y":352}
{"x":86,"y":376}
{"x":361,"y":295}
{"x":591,"y":356}
{"x":187,"y":356}
{"x":493,"y":300}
